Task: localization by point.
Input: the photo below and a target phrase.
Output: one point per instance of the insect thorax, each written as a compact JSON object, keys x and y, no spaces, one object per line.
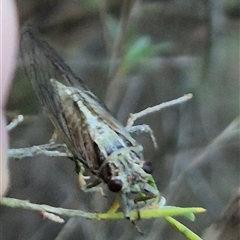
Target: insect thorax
{"x":126,"y":165}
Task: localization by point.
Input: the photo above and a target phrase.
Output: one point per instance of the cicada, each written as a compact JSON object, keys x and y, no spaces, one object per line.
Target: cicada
{"x":95,"y":138}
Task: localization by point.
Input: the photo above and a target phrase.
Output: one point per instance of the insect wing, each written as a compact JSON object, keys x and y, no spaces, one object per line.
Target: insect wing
{"x":41,"y":55}
{"x":42,"y":64}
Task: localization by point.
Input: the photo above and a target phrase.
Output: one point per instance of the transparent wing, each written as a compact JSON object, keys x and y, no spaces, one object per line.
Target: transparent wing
{"x":42,"y":63}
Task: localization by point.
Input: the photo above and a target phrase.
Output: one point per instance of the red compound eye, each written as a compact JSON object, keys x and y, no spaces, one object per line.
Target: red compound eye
{"x":148,"y":167}
{"x":115,"y":185}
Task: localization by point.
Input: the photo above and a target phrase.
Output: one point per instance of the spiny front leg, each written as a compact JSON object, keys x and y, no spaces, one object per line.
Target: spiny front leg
{"x":140,"y":129}
{"x":89,"y":187}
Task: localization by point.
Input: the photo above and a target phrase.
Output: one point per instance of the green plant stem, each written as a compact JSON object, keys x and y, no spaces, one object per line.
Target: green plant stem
{"x":144,"y":213}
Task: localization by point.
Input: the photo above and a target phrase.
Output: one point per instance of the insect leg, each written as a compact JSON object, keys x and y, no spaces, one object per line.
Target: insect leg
{"x":92,"y":187}
{"x":114,"y":207}
{"x":136,"y":226}
{"x":140,"y":129}
{"x":54,"y":137}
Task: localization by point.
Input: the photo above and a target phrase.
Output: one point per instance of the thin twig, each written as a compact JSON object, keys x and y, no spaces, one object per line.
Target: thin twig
{"x":120,"y":39}
{"x":52,"y":217}
{"x":156,"y":108}
{"x":211,"y":36}
{"x":144,"y":213}
{"x":15,"y":122}
{"x":103,"y":10}
{"x":17,"y":203}
{"x":51,"y":150}
{"x":115,"y":74}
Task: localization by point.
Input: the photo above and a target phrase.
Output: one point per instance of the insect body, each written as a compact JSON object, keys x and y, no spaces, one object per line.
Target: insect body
{"x":94,"y":137}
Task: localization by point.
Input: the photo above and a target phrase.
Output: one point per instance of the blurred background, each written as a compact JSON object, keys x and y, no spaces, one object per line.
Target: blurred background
{"x":132,"y":55}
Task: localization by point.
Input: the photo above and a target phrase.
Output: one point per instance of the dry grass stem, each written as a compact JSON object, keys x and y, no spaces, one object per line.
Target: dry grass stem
{"x":133,"y":117}
{"x":15,"y":122}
